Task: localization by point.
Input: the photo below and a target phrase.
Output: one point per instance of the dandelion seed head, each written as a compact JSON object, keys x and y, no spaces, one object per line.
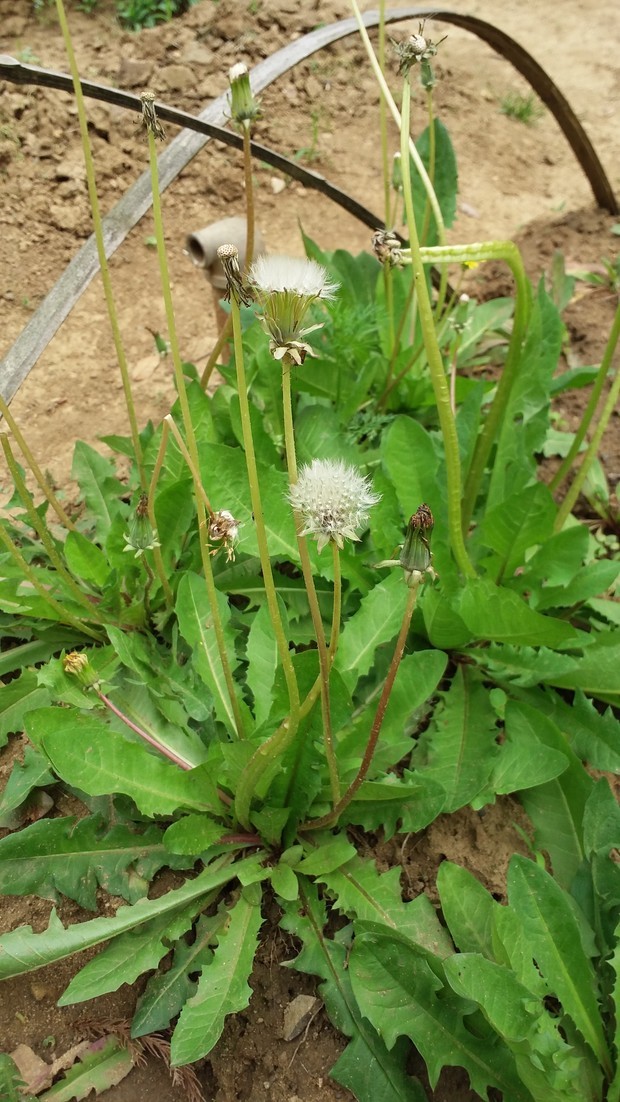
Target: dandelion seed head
{"x":333,"y":500}
{"x":296,"y":275}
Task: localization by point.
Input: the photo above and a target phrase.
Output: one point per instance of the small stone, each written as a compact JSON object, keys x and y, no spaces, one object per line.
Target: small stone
{"x":39,"y":991}
{"x":313,"y":88}
{"x":197,"y":54}
{"x":277,"y":184}
{"x":298,"y":1014}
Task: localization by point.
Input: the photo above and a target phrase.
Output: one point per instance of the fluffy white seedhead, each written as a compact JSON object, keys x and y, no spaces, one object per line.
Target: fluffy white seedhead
{"x":333,"y":500}
{"x":237,"y":71}
{"x":296,"y":275}
{"x":284,"y":287}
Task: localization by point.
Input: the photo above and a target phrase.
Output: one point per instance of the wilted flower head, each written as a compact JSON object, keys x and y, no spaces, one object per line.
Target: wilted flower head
{"x":76,"y":664}
{"x":333,"y":500}
{"x":244,"y":108}
{"x":285,"y":287}
{"x":387,"y":247}
{"x":416,"y":559}
{"x":418,"y":49}
{"x":224,"y":529}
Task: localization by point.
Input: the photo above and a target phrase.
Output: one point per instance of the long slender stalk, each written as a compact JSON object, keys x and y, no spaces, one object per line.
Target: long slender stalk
{"x":313,"y":602}
{"x":590,"y":455}
{"x":480,"y":252}
{"x":191,"y":439}
{"x":42,"y":532}
{"x":61,"y":613}
{"x":435,"y":362}
{"x":249,"y":197}
{"x":215,"y":352}
{"x":98,"y":231}
{"x":371,"y":745}
{"x":286,"y":733}
{"x":432,"y":153}
{"x":411,"y":149}
{"x":172,"y":755}
{"x":157,"y":555}
{"x":40,"y":478}
{"x":593,"y":401}
{"x":337,"y":603}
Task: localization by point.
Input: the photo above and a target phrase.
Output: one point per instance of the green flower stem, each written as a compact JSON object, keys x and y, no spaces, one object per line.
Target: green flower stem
{"x":432,"y":153}
{"x":215,"y":352}
{"x":249,"y":778}
{"x":385,"y":156}
{"x":38,"y":524}
{"x":590,"y":455}
{"x":169,"y":426}
{"x":371,"y":745}
{"x":182,"y":762}
{"x":337,"y":606}
{"x":191,"y":439}
{"x":61,"y":613}
{"x":41,"y":481}
{"x":478,"y":253}
{"x":435,"y":362}
{"x":410,"y":149}
{"x":589,"y":411}
{"x":313,"y":602}
{"x":157,"y":555}
{"x":98,"y":230}
{"x":249,"y":196}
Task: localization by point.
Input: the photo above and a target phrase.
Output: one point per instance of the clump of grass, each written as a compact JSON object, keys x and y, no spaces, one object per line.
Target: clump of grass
{"x":525,"y":108}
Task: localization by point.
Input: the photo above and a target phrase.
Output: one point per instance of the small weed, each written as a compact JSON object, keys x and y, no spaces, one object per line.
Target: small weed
{"x":27,"y":56}
{"x":137,"y":14}
{"x":310,"y":153}
{"x":524,"y":108}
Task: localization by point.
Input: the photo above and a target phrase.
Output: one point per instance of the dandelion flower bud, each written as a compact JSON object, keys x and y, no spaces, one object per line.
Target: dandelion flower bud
{"x":141,"y":537}
{"x":387,"y":247}
{"x":77,"y":665}
{"x":284,"y":288}
{"x":415,"y":557}
{"x":332,"y":500}
{"x":244,"y":108}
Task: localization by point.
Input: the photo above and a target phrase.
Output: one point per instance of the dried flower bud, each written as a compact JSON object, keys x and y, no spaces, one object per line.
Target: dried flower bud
{"x":244,"y":108}
{"x":333,"y":500}
{"x":76,"y":664}
{"x":149,"y":115}
{"x":228,"y":256}
{"x":418,"y":49}
{"x":387,"y":248}
{"x":224,"y":529}
{"x":141,"y":537}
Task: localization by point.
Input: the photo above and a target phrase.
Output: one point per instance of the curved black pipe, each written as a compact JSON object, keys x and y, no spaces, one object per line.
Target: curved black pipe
{"x":137,"y":199}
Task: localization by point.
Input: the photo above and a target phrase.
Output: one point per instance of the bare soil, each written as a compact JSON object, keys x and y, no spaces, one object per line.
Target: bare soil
{"x":516,"y":181}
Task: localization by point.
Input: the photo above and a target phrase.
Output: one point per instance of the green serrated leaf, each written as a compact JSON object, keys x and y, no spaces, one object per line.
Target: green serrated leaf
{"x":166,"y":993}
{"x":102,"y":490}
{"x":362,"y":893}
{"x":89,"y":755}
{"x":556,"y":945}
{"x":19,"y":697}
{"x":102,"y":1066}
{"x":222,"y":988}
{"x":11,"y":1082}
{"x":467,"y":908}
{"x":400,"y":993}
{"x":499,"y":614}
{"x":85,"y":559}
{"x":377,"y":621}
{"x":33,"y":772}
{"x":196,"y":624}
{"x":21,"y":950}
{"x":193,"y":834}
{"x":548,"y":1066}
{"x":73,"y":857}
{"x":524,"y":761}
{"x":127,"y":957}
{"x":459,"y":748}
{"x":366,"y":1067}
{"x":263,"y":661}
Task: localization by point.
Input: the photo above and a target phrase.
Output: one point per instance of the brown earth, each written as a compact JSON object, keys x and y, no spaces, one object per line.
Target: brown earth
{"x":515,"y":181}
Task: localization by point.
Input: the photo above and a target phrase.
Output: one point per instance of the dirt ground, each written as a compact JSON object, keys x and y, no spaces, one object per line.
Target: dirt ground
{"x":516,"y":181}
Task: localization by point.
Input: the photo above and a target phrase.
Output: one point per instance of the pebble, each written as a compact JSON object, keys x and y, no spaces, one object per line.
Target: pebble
{"x":298,"y":1014}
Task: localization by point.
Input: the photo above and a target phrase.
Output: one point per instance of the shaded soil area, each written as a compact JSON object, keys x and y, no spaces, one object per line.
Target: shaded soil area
{"x":516,"y":181}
